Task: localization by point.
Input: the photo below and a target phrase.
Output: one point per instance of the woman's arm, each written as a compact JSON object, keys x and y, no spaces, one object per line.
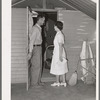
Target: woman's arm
{"x":60,"y":51}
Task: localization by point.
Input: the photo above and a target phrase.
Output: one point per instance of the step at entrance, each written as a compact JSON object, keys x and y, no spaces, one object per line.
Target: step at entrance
{"x":47,"y":77}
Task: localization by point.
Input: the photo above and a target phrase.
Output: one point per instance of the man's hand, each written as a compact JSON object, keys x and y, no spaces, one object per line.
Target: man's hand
{"x":29,"y":55}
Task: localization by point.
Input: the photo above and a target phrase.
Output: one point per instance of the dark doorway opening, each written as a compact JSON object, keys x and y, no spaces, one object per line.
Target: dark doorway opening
{"x":48,"y":34}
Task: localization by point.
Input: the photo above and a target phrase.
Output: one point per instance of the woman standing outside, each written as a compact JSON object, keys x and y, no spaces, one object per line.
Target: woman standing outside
{"x":59,"y":62}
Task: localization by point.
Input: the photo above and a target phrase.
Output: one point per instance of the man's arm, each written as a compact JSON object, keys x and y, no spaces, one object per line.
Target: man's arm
{"x":32,"y":38}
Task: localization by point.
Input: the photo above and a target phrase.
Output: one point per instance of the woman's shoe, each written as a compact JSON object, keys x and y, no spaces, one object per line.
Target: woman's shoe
{"x":55,"y":84}
{"x":63,"y":84}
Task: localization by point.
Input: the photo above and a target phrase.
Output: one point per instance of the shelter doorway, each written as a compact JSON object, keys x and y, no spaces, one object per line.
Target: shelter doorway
{"x":48,"y":34}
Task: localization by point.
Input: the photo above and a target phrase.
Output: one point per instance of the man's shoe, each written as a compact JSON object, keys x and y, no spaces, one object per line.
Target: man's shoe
{"x":36,"y":86}
{"x":41,"y":84}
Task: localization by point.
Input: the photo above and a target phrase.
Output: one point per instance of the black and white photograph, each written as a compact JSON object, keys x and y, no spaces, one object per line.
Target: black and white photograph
{"x":53,"y":50}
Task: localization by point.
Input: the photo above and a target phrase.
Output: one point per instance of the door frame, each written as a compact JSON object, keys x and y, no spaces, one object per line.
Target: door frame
{"x":27,"y":49}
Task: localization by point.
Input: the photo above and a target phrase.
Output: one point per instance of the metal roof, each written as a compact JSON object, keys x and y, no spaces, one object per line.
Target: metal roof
{"x":86,"y":6}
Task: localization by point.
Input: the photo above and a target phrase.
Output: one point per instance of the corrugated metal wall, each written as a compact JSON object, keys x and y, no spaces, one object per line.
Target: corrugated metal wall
{"x":18,"y":46}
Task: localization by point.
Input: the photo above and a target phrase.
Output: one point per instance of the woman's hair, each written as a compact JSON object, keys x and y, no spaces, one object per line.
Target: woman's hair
{"x":59,"y":25}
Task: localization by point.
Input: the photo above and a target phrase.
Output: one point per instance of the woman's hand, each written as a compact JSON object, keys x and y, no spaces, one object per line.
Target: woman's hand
{"x":61,"y":59}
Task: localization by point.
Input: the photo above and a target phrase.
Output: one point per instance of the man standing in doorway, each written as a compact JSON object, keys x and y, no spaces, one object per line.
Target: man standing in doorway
{"x":35,"y":51}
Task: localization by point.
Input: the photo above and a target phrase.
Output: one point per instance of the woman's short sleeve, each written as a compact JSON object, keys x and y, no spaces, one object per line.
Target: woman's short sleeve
{"x":60,"y":38}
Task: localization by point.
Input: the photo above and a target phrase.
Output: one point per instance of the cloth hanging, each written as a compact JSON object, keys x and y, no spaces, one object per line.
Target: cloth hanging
{"x":83,"y":57}
{"x":87,"y":64}
{"x":93,"y":67}
{"x":91,"y":55}
{"x":30,"y":23}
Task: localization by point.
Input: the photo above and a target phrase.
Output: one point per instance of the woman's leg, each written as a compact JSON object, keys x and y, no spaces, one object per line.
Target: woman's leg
{"x":57,"y":78}
{"x":63,"y":83}
{"x":57,"y":83}
{"x":64,"y":78}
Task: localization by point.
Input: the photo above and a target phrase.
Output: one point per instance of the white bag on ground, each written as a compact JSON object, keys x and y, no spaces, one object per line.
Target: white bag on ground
{"x":73,"y":79}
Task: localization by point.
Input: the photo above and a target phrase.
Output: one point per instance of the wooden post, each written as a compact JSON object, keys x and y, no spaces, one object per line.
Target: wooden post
{"x":27,"y":84}
{"x":44,"y":4}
